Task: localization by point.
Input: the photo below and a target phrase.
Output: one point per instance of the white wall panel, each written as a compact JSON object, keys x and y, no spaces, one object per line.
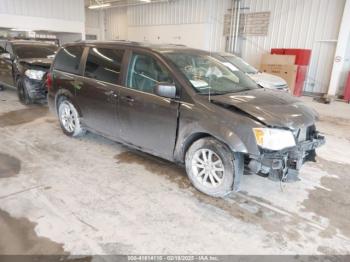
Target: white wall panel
{"x":116,"y":24}
{"x":174,"y":34}
{"x":299,"y":24}
{"x":57,"y":9}
{"x":171,"y":13}
{"x":94,"y":23}
{"x":92,"y":18}
{"x":51,"y":15}
{"x":196,"y":23}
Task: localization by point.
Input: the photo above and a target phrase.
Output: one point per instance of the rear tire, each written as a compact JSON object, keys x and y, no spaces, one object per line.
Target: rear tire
{"x":210,"y":167}
{"x":22,"y":92}
{"x":69,"y":118}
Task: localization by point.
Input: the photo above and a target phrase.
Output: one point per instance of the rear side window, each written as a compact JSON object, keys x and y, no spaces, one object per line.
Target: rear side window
{"x":104,"y":64}
{"x":68,"y":59}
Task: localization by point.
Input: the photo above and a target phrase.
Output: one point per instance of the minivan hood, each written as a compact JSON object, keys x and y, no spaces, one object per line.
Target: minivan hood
{"x":42,"y":62}
{"x":268,"y":80}
{"x":272,"y":108}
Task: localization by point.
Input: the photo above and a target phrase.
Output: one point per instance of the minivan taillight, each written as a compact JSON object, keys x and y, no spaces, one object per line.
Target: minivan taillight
{"x":48,"y":81}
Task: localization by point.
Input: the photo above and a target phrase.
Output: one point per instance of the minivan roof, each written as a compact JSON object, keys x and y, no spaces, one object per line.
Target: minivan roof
{"x":154,"y":47}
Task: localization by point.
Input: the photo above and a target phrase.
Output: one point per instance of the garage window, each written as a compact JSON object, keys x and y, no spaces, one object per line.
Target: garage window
{"x":104,"y":64}
{"x":68,"y":59}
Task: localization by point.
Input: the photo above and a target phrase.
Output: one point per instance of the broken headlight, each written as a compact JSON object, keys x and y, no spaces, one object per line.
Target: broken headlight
{"x":274,"y":139}
{"x":35,"y":74}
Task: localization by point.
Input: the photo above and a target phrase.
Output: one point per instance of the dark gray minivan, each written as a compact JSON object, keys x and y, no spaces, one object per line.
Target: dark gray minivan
{"x":183,"y":105}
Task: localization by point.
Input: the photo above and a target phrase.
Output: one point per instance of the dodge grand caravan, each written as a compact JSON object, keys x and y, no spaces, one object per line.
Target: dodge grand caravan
{"x":183,"y":105}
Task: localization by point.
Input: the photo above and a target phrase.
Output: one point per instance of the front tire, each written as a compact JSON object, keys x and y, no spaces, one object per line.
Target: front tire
{"x":69,"y":118}
{"x":22,"y":92}
{"x":210,"y":167}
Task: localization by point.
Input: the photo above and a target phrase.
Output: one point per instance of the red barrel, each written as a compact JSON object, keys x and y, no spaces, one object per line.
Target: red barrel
{"x":347,"y":90}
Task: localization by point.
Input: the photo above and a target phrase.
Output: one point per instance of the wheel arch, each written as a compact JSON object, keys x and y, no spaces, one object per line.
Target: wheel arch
{"x":231,"y":141}
{"x":66,"y":93}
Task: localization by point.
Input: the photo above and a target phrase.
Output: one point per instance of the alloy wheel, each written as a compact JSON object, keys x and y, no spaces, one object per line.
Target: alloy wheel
{"x":208,"y":168}
{"x":67,"y":116}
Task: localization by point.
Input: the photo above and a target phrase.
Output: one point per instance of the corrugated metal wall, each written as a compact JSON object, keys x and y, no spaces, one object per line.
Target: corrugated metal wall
{"x":312,"y":24}
{"x":116,"y":24}
{"x":218,"y":9}
{"x":206,"y":17}
{"x":171,"y":13}
{"x":62,"y":9}
{"x":92,"y":18}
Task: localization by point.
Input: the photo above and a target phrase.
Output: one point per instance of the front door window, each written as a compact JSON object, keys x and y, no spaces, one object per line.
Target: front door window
{"x":145,"y":73}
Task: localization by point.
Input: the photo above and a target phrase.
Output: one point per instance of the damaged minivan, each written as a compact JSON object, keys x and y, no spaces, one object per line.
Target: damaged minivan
{"x":183,"y":105}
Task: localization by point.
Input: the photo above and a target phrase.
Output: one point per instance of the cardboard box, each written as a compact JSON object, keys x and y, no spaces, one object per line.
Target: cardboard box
{"x":302,"y":56}
{"x":287,"y":72}
{"x":268,"y":59}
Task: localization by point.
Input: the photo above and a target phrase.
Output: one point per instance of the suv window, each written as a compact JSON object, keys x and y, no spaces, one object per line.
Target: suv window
{"x":9,"y":48}
{"x":35,"y":51}
{"x":145,"y":73}
{"x":68,"y":59}
{"x":104,"y":64}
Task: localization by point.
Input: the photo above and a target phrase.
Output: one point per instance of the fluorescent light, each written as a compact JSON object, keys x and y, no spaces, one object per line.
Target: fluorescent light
{"x":99,"y":6}
{"x":146,"y":1}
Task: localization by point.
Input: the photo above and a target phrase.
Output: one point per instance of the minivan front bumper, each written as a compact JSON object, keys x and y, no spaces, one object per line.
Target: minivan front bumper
{"x":285,"y":165}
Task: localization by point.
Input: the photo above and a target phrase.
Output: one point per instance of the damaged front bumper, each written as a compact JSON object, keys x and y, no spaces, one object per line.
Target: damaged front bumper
{"x":285,"y":165}
{"x":36,"y":88}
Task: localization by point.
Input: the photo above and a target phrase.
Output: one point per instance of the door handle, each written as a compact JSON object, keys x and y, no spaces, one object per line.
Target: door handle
{"x":128,"y":99}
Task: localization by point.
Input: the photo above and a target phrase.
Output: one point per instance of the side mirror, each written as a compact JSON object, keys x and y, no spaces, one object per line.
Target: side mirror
{"x":6,"y":56}
{"x":165,"y":90}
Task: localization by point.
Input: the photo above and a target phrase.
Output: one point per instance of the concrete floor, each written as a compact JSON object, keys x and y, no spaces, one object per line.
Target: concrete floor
{"x":92,"y":196}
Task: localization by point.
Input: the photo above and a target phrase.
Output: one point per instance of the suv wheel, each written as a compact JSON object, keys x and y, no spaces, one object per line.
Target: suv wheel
{"x":210,"y":167}
{"x":69,"y":118}
{"x":22,"y":92}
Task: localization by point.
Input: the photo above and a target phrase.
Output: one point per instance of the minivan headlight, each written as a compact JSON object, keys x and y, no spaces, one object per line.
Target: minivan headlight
{"x":274,"y":139}
{"x":35,"y":74}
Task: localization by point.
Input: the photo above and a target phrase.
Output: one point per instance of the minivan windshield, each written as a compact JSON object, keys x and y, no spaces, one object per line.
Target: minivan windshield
{"x":241,"y":64}
{"x":25,"y":51}
{"x":210,"y":75}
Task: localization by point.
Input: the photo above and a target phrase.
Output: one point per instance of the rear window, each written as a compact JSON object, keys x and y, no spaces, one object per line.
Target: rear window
{"x":25,"y":51}
{"x":68,"y":59}
{"x":104,"y":64}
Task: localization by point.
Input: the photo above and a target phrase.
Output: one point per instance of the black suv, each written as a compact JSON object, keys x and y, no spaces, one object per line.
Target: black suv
{"x":24,"y":64}
{"x":184,"y":105}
